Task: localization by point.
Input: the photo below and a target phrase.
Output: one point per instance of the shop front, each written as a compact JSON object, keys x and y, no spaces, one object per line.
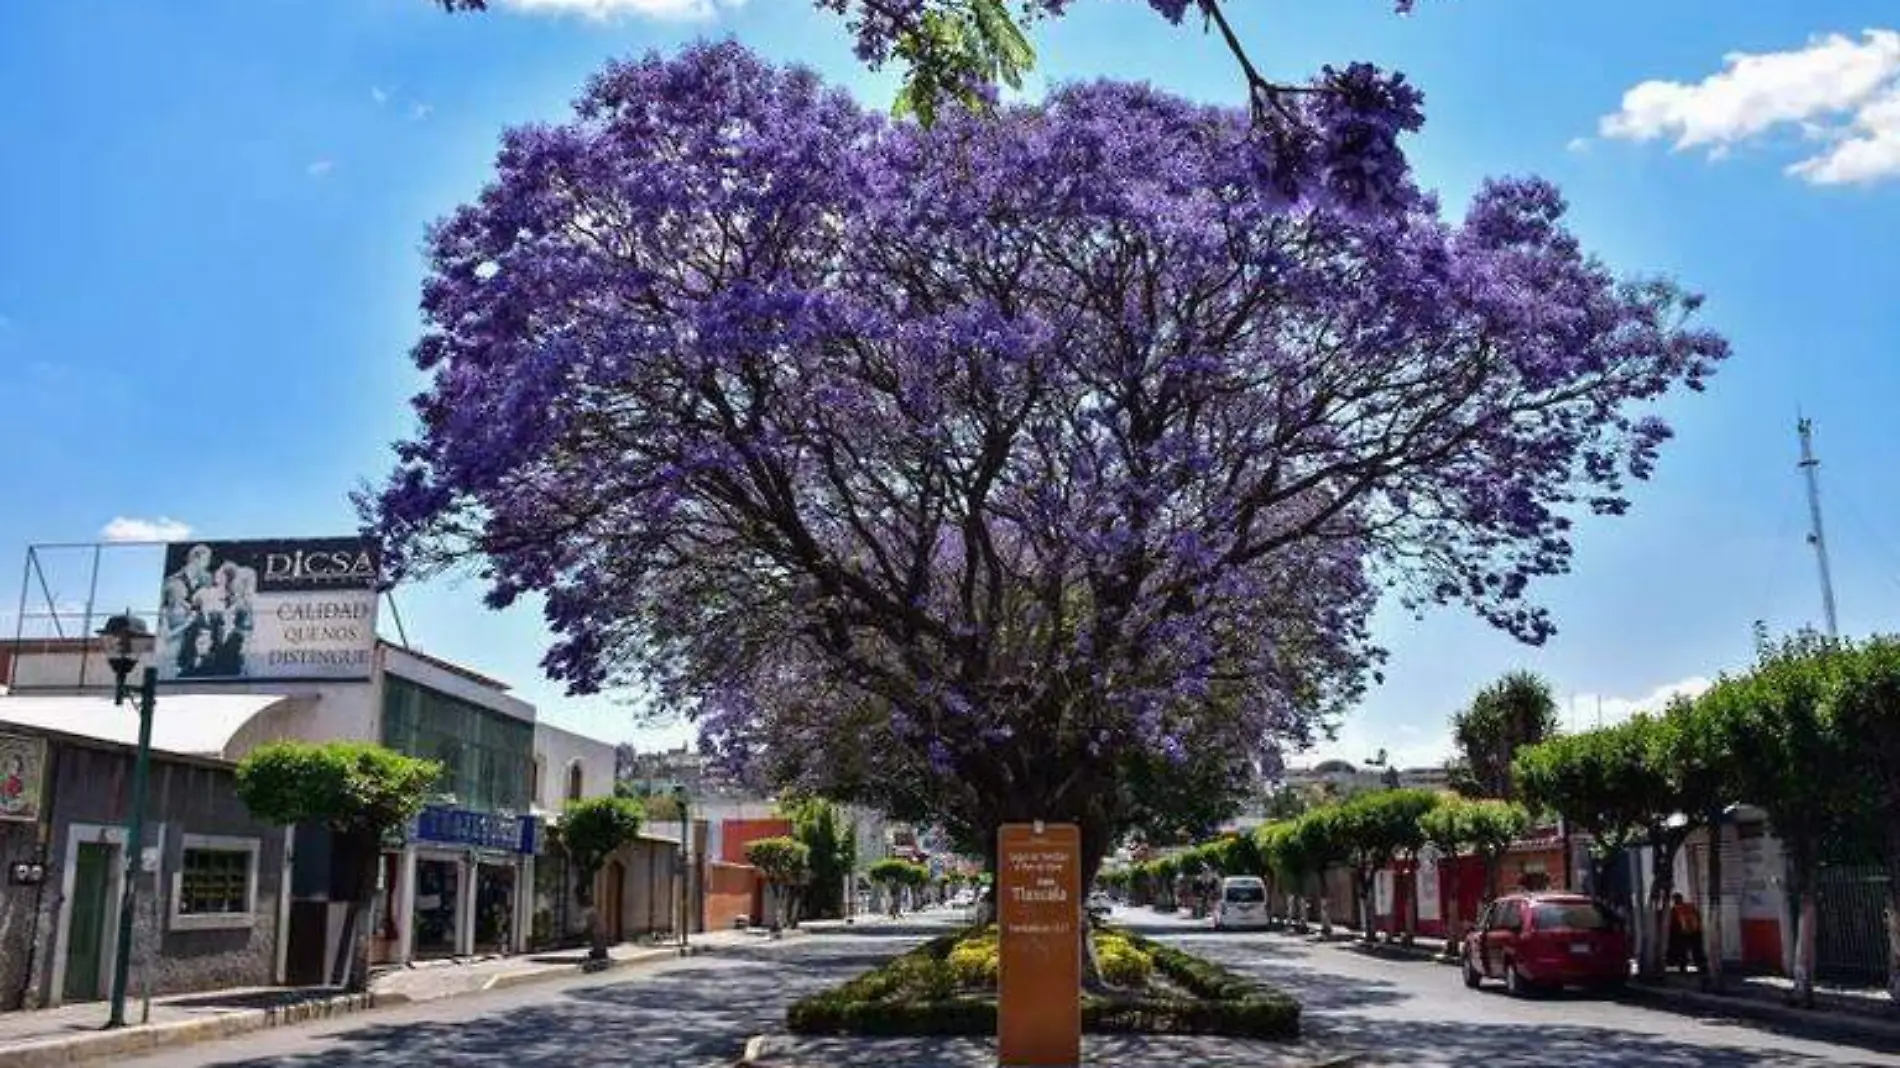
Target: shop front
{"x":464,"y":881}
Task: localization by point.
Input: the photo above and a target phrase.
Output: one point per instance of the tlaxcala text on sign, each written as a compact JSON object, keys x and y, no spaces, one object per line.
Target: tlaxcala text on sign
{"x":1039,"y":921}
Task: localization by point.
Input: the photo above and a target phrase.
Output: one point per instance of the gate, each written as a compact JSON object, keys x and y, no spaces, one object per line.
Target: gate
{"x":1850,"y":934}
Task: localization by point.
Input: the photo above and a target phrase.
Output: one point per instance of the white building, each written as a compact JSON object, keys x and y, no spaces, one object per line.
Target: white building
{"x":464,"y":880}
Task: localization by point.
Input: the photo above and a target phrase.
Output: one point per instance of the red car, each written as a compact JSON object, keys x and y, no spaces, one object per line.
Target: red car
{"x":1545,"y":941}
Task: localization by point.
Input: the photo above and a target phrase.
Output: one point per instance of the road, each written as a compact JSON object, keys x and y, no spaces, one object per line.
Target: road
{"x":678,"y":1014}
{"x":699,"y":1012}
{"x":1415,"y":1012}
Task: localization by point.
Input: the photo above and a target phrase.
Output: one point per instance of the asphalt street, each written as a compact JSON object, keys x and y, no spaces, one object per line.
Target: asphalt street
{"x":699,"y":1012}
{"x":1416,"y":1012}
{"x":677,"y":1014}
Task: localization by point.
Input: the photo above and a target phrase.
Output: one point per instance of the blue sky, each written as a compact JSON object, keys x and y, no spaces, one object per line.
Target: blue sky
{"x":210,"y":216}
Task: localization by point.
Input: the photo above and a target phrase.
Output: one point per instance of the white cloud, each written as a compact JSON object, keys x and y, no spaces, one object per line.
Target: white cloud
{"x":379,"y":94}
{"x":419,"y":112}
{"x":127,"y":528}
{"x":1411,"y":746}
{"x":679,"y":10}
{"x":1838,"y":91}
{"x":1580,"y":711}
{"x":1578,"y":145}
{"x":319,"y":168}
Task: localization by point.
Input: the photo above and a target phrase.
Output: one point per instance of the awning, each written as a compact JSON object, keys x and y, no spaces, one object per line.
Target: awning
{"x":199,"y":725}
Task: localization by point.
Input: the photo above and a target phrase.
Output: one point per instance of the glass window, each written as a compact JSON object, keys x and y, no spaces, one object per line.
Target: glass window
{"x":487,"y":756}
{"x":1246,"y":893}
{"x":574,"y":781}
{"x":1569,"y":917}
{"x":215,"y":882}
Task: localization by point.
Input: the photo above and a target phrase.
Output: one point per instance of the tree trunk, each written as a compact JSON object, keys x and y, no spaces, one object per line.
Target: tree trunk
{"x":1366,"y":921}
{"x":1893,"y":907}
{"x":1804,"y":947}
{"x":1712,"y":921}
{"x":1663,"y":884}
{"x":353,"y":864}
{"x":1411,"y":914}
{"x":596,"y":930}
{"x":1453,"y":937}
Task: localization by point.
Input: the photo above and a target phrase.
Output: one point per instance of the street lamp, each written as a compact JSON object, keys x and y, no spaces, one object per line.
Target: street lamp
{"x":121,"y":630}
{"x":686,"y":872}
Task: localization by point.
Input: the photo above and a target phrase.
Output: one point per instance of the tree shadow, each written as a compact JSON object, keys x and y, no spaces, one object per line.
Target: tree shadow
{"x":1496,"y":1045}
{"x":699,"y":1012}
{"x":1098,"y":1051}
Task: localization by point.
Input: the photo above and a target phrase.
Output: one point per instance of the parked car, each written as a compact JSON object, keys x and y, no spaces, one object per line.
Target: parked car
{"x":1242,"y":903}
{"x":1537,"y":941}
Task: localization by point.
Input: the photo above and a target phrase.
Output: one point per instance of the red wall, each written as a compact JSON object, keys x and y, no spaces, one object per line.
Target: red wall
{"x":735,"y":834}
{"x":732,"y":890}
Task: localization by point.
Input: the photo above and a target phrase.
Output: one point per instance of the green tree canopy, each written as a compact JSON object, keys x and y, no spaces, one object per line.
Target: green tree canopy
{"x":345,"y":786}
{"x":782,"y":861}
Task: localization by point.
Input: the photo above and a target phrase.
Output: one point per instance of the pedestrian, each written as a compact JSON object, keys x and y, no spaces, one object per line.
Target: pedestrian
{"x":1685,"y":936}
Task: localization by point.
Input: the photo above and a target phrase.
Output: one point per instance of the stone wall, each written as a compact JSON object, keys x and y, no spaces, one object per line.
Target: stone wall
{"x":90,"y":783}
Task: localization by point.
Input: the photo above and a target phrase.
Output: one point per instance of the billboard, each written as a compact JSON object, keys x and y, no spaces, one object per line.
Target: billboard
{"x":235,"y":611}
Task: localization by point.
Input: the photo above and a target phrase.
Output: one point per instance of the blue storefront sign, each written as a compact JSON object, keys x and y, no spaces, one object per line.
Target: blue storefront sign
{"x":441,"y":825}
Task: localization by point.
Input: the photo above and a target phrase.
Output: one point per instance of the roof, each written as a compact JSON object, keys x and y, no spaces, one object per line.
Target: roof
{"x":193,"y":724}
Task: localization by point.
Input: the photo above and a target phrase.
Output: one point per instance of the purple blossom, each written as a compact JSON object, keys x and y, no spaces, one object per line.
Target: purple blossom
{"x":977,"y":470}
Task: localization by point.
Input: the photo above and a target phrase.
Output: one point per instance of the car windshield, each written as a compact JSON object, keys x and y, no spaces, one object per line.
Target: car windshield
{"x":1246,"y":893}
{"x":1569,"y":917}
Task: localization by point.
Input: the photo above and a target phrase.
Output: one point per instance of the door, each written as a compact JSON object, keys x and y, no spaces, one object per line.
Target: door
{"x":1501,"y":936}
{"x":86,"y":930}
{"x":610,"y":901}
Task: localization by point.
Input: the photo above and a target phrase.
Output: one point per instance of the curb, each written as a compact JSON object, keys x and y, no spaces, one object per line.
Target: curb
{"x":97,"y":1045}
{"x":1835,"y":1023}
{"x":73,"y":1049}
{"x":758,"y":1054}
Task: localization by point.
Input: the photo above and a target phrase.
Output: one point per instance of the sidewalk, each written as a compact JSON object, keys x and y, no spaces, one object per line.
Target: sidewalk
{"x":72,"y":1033}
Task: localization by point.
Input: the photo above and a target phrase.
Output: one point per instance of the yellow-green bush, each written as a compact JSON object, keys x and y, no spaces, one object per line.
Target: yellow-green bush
{"x":1122,"y":964}
{"x":974,"y":960}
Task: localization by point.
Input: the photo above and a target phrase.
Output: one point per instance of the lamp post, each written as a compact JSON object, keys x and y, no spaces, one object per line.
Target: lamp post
{"x":686,"y":871}
{"x":121,"y":630}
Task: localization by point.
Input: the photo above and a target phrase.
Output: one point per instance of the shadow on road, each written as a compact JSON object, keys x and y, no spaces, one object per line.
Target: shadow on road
{"x":1510,"y":1046}
{"x":698,"y":1012}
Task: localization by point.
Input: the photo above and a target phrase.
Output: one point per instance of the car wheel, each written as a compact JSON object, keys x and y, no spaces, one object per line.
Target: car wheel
{"x":1473,"y":977}
{"x":1514,"y":982}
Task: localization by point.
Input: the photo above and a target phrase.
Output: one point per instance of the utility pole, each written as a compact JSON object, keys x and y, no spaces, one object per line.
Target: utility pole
{"x":1816,"y":538}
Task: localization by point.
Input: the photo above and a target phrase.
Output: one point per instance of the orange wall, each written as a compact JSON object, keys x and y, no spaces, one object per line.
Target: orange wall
{"x":731,"y":890}
{"x":735,"y":834}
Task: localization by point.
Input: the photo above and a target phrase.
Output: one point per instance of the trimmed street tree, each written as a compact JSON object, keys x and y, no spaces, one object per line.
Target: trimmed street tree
{"x":360,"y":792}
{"x":1786,"y":739}
{"x":1376,"y":829}
{"x":1516,"y":711}
{"x":1592,"y":781}
{"x":1694,"y":749}
{"x":894,"y":874}
{"x":979,"y":504}
{"x":592,"y":830}
{"x":1491,"y":826}
{"x":1866,"y":709}
{"x":1447,"y":828}
{"x":785,"y":865}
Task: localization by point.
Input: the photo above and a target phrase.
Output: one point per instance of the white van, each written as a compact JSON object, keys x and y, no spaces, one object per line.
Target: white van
{"x":1243,"y":903}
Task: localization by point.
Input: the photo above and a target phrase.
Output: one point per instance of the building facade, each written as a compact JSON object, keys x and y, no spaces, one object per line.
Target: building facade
{"x":209,"y":893}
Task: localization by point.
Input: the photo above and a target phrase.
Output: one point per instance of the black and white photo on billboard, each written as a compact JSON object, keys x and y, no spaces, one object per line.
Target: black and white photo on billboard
{"x":268,"y":610}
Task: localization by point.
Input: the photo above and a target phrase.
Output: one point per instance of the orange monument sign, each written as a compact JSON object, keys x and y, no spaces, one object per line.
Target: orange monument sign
{"x":1039,"y":921}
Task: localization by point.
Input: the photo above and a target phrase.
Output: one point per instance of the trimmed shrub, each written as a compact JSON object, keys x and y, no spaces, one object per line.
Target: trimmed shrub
{"x":975,"y":960}
{"x":918,"y":994}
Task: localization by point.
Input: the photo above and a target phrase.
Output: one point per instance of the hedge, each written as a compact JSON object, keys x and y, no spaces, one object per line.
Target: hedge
{"x":919,"y":993}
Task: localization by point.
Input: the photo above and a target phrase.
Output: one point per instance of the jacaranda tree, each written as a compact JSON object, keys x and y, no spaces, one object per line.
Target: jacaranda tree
{"x":964,"y":471}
